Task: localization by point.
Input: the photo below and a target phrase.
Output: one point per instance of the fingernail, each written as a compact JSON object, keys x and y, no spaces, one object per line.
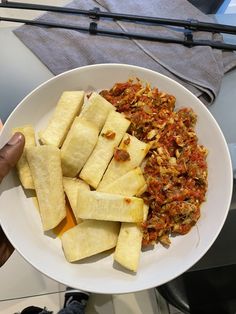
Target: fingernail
{"x":16,"y":138}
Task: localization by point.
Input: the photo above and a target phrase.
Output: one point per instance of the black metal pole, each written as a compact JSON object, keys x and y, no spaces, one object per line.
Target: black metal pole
{"x":190,"y":24}
{"x":93,"y":29}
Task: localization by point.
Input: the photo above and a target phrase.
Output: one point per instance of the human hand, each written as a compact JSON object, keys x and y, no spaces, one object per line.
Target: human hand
{"x":9,"y":155}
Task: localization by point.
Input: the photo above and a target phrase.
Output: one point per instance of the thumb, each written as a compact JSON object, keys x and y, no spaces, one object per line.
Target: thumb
{"x":11,"y":153}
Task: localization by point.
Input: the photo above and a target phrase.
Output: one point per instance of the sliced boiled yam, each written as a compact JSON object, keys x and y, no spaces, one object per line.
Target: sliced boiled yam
{"x":111,"y":207}
{"x":141,"y":190}
{"x":113,"y":131}
{"x":136,"y":149}
{"x":67,"y":108}
{"x":129,"y":244}
{"x":45,"y":166}
{"x":128,"y":248}
{"x":96,"y":110}
{"x":77,"y":147}
{"x":89,"y":238}
{"x":71,"y":187}
{"x":129,"y":184}
{"x":22,"y":165}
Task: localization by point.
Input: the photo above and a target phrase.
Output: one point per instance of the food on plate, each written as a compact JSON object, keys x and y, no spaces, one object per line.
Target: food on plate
{"x":129,"y":184}
{"x":71,"y":187}
{"x":113,"y":207}
{"x":127,"y":156}
{"x":77,"y":147}
{"x":89,"y":238}
{"x":45,"y":166}
{"x":67,"y":223}
{"x":140,"y":157}
{"x":22,"y":165}
{"x":68,"y":107}
{"x":129,"y":244}
{"x":96,"y":110}
{"x":111,"y":134}
{"x":175,"y":168}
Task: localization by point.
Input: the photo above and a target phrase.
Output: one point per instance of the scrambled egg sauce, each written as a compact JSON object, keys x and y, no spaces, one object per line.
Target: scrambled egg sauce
{"x":175,"y":168}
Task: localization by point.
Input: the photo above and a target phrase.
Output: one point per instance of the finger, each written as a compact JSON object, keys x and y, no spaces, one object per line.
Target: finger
{"x":6,"y":249}
{"x":11,"y":153}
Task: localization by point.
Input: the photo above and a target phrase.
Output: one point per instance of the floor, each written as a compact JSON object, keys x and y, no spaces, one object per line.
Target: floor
{"x":44,"y":292}
{"x":41,"y":291}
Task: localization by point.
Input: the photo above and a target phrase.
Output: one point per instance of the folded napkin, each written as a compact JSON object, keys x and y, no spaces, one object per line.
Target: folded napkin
{"x":200,"y":69}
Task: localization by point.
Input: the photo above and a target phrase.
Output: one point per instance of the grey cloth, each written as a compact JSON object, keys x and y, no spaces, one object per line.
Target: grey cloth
{"x":200,"y":69}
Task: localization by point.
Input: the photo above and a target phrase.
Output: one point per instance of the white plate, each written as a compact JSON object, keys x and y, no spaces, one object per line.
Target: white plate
{"x":21,"y":222}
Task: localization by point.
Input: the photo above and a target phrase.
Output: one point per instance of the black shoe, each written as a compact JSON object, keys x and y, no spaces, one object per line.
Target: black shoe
{"x":35,"y":310}
{"x":75,"y":295}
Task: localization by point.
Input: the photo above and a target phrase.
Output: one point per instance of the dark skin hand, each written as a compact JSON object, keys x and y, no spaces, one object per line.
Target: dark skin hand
{"x":9,"y":155}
